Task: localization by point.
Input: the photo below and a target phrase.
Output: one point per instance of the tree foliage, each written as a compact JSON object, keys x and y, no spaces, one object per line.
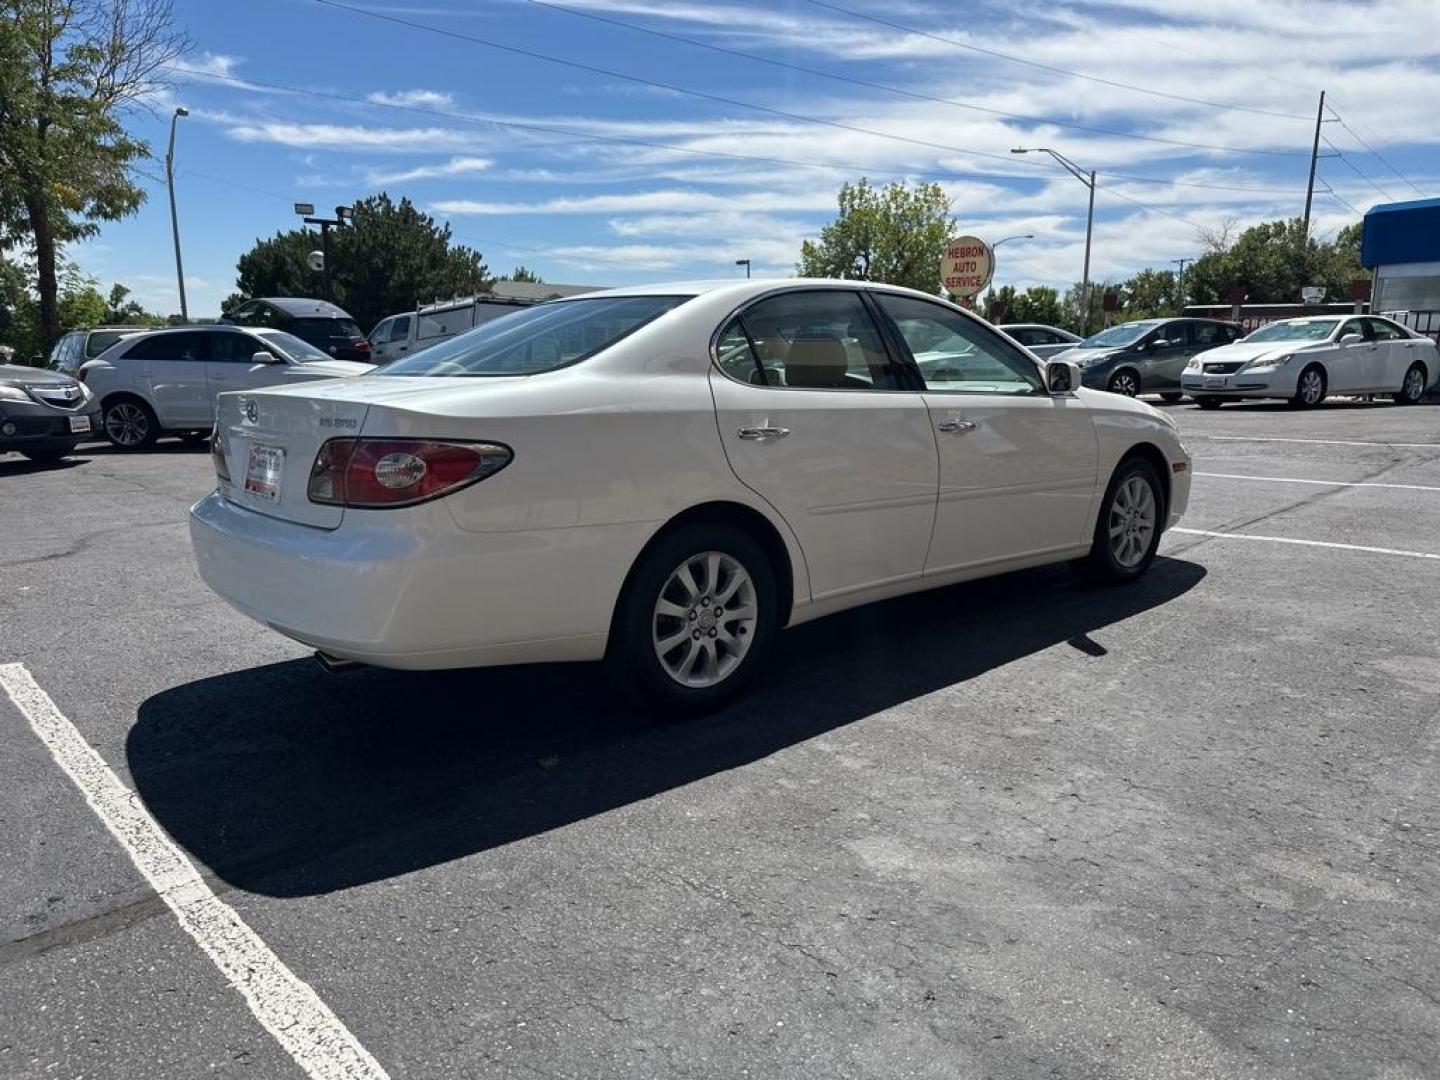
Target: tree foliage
{"x":389,"y":258}
{"x":1037,"y":304}
{"x":894,"y":234}
{"x":1273,"y":263}
{"x":79,"y":303}
{"x":69,"y":70}
{"x":521,"y":273}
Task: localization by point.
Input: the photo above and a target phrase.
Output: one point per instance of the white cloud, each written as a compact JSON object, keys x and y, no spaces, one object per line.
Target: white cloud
{"x":432,"y":99}
{"x":207,"y":63}
{"x":351,"y":136}
{"x":459,"y":166}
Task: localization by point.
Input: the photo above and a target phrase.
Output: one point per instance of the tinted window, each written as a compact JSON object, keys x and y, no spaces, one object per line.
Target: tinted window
{"x":819,"y":340}
{"x":234,"y":348}
{"x":313,"y":329}
{"x":537,"y":339}
{"x":1031,"y":336}
{"x":736,"y":357}
{"x":99,"y":341}
{"x":447,"y":323}
{"x":183,"y":346}
{"x":1207,"y":334}
{"x":62,"y":356}
{"x":958,"y":353}
{"x":244,"y":315}
{"x":400,"y":328}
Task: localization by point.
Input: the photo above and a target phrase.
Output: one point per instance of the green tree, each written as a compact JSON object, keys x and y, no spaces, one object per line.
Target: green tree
{"x":120,"y":310}
{"x":69,"y":70}
{"x":520,"y":273}
{"x":389,"y":258}
{"x":1150,"y":294}
{"x":1273,"y":262}
{"x":894,"y":234}
{"x":1073,"y":305}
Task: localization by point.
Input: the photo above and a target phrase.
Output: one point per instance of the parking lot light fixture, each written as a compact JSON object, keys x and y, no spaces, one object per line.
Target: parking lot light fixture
{"x":745,"y":263}
{"x":1088,"y":179}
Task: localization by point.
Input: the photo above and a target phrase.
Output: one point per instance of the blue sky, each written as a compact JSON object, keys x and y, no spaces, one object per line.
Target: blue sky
{"x":589,"y":177}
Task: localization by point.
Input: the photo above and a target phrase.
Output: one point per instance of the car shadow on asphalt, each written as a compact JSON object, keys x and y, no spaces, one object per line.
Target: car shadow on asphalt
{"x":288,"y":781}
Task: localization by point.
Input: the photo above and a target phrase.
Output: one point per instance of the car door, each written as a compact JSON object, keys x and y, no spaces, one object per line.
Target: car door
{"x":232,"y":364}
{"x":1394,"y":352}
{"x":1017,"y":464}
{"x":820,"y":420}
{"x":173,"y":375}
{"x":1166,"y":354}
{"x":1351,"y":367}
{"x":380,"y":340}
{"x":399,"y":344}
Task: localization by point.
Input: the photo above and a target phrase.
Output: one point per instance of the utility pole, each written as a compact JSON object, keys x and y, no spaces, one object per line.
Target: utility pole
{"x":1088,"y":179}
{"x":1314,"y":158}
{"x":174,"y":220}
{"x":1180,"y":279}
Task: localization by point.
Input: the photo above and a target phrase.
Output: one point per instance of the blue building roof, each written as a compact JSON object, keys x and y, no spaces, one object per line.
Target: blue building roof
{"x":1403,"y":232}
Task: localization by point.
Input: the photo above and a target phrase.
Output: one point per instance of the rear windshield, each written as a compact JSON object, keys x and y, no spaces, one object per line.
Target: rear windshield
{"x":327,"y":327}
{"x":101,"y":340}
{"x":302,"y":352}
{"x":537,"y":339}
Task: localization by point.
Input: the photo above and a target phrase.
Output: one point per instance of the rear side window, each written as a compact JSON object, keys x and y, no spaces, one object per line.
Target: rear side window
{"x":310,"y":329}
{"x":1384,"y":331}
{"x":182,"y":346}
{"x":811,"y":339}
{"x":447,"y":323}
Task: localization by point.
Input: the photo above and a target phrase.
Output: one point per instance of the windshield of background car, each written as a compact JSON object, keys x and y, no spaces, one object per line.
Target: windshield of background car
{"x":101,"y":340}
{"x":1295,"y":330}
{"x":302,"y":352}
{"x":537,"y":339}
{"x":1117,"y":336}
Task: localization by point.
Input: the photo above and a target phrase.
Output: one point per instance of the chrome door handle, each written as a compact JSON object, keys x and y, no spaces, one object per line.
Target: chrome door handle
{"x":754,"y":433}
{"x":956,"y":425}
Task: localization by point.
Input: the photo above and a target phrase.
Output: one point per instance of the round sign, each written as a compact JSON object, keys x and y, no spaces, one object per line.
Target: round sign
{"x":966,"y":266}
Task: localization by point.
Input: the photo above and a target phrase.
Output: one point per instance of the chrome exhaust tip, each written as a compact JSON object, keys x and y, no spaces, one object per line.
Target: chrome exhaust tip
{"x":334,"y":664}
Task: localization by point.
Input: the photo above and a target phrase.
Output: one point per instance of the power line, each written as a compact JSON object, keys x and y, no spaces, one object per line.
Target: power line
{"x":1381,"y":157}
{"x":785,"y":65}
{"x":585,"y":136}
{"x":1356,"y":169}
{"x":1048,"y":67}
{"x":1336,"y":196}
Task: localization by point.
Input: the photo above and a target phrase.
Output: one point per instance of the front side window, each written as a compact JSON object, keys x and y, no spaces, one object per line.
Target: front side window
{"x":234,"y":348}
{"x":1353,"y":326}
{"x":537,"y":339}
{"x":400,"y":328}
{"x":170,"y":346}
{"x":99,"y":341}
{"x":812,"y":339}
{"x":381,"y":334}
{"x":956,"y":353}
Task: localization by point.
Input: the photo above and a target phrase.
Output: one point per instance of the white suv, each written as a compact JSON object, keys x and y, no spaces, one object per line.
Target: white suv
{"x":166,"y":380}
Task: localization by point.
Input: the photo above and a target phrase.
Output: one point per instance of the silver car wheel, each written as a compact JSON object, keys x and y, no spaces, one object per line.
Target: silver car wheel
{"x":1132,"y":521}
{"x":705,"y":619}
{"x":1414,"y":387}
{"x":126,"y":424}
{"x":1125,"y":383}
{"x":1312,"y":386}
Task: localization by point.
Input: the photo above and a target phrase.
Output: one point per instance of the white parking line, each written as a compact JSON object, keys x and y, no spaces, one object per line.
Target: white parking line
{"x":1306,"y":543}
{"x":285,"y":1006}
{"x":1315,"y":442}
{"x":1321,"y":483}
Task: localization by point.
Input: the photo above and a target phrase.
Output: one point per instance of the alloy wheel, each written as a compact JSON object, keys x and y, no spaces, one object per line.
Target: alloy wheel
{"x":126,"y":424}
{"x":1312,"y":387}
{"x":1414,"y":388}
{"x":1132,"y":521}
{"x":705,"y":619}
{"x":1125,"y":383}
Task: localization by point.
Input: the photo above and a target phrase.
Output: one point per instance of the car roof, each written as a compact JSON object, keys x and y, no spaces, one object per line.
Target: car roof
{"x":305,"y":306}
{"x":744,"y":288}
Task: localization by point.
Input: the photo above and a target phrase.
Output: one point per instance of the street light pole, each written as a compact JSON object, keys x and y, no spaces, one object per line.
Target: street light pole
{"x":1088,"y":179}
{"x":745,"y":263}
{"x":174,"y":220}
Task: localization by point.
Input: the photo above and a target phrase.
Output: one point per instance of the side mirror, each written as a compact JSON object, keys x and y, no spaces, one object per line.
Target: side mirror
{"x":263,"y":356}
{"x":1062,"y":377}
{"x":1161,"y":343}
{"x":1351,"y":339}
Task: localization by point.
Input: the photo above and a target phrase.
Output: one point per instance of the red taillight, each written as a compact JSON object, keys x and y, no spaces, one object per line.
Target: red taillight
{"x":363,"y":345}
{"x":379,"y":473}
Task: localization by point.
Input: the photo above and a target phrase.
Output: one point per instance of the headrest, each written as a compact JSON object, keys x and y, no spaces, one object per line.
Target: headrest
{"x":818,"y":361}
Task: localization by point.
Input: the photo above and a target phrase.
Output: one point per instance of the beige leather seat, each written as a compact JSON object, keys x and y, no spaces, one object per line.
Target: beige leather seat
{"x":818,"y":362}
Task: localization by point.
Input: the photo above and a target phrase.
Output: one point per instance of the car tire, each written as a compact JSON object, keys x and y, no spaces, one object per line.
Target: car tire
{"x":1171,"y":397}
{"x":1310,"y":388}
{"x":709,"y":658}
{"x":1125,"y":381}
{"x":1208,"y":402}
{"x":1413,"y":388}
{"x":1134,"y":504}
{"x":129,"y":423}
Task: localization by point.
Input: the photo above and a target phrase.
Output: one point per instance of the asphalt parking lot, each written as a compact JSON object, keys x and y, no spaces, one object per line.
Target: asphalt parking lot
{"x":1020,"y":828}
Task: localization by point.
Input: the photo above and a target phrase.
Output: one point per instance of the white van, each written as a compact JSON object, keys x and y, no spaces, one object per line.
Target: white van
{"x":402,"y":335}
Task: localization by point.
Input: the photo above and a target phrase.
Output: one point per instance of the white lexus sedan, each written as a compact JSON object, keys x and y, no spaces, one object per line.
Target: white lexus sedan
{"x":665,"y":476}
{"x":1306,"y":360}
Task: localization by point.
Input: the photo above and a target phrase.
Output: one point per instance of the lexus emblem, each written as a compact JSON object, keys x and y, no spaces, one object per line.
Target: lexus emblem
{"x":251,"y":411}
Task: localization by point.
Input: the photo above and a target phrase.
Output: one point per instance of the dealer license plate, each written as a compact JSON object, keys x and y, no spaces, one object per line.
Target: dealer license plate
{"x":263,"y":472}
{"x":79,"y":425}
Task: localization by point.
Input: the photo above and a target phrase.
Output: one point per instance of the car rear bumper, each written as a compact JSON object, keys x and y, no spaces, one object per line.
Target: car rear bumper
{"x":27,"y":426}
{"x":409,"y":589}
